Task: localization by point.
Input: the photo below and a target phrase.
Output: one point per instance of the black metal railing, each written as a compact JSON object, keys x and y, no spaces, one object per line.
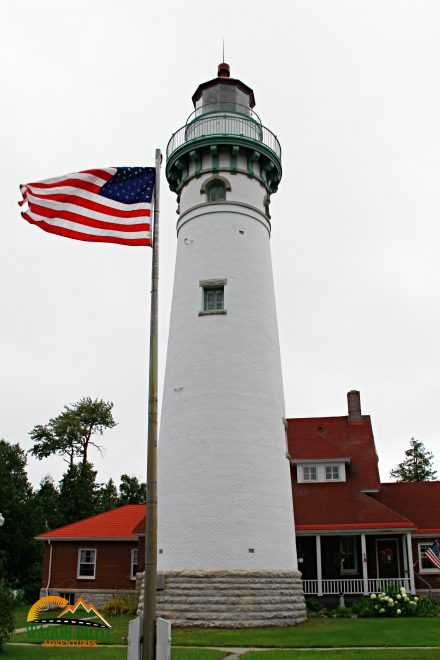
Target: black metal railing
{"x":223,"y":124}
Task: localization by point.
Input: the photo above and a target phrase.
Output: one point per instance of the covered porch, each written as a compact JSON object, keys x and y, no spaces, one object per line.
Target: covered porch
{"x":353,"y":563}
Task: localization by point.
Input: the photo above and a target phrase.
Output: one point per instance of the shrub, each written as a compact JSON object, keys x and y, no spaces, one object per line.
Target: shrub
{"x":428,"y":606}
{"x":394,"y":603}
{"x":314,"y":607}
{"x":124,"y":604}
{"x":342,"y":612}
{"x":363,"y":608}
{"x":7,"y":623}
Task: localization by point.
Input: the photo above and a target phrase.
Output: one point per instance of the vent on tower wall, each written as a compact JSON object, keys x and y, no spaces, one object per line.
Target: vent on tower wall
{"x":354,"y":407}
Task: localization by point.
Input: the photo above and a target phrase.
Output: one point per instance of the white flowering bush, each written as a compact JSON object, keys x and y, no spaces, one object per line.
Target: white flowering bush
{"x":394,"y":602}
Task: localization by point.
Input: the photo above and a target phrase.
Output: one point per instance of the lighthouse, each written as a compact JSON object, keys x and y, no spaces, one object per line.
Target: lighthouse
{"x":226,"y":537}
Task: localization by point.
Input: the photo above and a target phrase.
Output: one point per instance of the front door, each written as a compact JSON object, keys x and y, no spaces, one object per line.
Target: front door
{"x":388,"y":564}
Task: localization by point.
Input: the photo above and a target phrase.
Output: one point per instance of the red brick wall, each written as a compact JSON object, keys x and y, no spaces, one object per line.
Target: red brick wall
{"x":432,"y":578}
{"x":113,"y":561}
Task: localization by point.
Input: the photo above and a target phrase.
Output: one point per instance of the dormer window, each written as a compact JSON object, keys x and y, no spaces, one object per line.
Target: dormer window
{"x":322,"y":471}
{"x":310,"y":473}
{"x":332,"y":473}
{"x":216,"y":192}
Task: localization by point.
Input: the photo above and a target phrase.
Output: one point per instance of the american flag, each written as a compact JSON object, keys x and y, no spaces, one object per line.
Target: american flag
{"x":433,"y":554}
{"x":110,"y":205}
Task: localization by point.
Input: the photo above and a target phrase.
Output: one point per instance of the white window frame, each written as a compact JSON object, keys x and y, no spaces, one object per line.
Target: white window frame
{"x":332,"y":466}
{"x":213,"y":284}
{"x":132,"y":562}
{"x":86,"y":577}
{"x":320,"y":472}
{"x":349,"y":571}
{"x":421,"y":552}
{"x":310,"y":468}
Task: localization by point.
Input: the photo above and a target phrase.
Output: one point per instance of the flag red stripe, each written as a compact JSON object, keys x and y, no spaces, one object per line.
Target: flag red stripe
{"x":101,"y":173}
{"x":79,"y":236}
{"x":94,"y":206}
{"x":78,"y":183}
{"x":430,"y":554}
{"x":84,"y":220}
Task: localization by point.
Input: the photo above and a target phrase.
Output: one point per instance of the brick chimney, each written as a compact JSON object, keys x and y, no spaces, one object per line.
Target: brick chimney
{"x":354,"y":407}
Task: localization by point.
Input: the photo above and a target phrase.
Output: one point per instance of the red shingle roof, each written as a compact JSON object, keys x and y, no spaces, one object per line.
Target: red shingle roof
{"x":340,"y":506}
{"x":116,"y":524}
{"x":334,"y":437}
{"x":419,"y":500}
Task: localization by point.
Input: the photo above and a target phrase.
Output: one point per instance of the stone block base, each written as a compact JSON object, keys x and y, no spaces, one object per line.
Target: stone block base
{"x":96,"y":597}
{"x":224,"y":599}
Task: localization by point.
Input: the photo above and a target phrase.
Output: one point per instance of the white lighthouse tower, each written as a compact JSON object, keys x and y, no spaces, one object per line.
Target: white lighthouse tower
{"x":226,"y":526}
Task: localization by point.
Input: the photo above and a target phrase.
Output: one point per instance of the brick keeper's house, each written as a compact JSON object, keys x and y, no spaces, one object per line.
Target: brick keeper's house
{"x":354,"y":534}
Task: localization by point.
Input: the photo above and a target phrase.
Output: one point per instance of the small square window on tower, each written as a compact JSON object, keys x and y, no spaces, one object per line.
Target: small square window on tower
{"x":213,"y":297}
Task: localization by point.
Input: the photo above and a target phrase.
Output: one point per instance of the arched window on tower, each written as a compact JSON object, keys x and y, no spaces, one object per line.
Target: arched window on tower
{"x":216,"y":191}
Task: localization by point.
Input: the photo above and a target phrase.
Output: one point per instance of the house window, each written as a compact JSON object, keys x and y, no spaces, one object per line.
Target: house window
{"x":134,"y":563}
{"x":332,"y":472}
{"x":349,"y":560}
{"x":216,"y":192}
{"x":86,"y":563}
{"x":310,"y":473}
{"x":424,"y":563}
{"x":68,"y":596}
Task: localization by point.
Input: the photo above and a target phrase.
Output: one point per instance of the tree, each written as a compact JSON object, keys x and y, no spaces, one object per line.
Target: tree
{"x":20,"y":553}
{"x":70,"y":433}
{"x":78,"y":493}
{"x":107,"y":497}
{"x":417,"y":465}
{"x":131,"y":491}
{"x":47,"y":505}
{"x":7,"y":623}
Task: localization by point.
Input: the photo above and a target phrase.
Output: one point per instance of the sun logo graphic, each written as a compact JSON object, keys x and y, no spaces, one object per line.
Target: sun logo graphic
{"x":58,"y":623}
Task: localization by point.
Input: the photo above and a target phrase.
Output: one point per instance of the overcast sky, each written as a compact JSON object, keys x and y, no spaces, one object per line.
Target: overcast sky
{"x":351,"y":88}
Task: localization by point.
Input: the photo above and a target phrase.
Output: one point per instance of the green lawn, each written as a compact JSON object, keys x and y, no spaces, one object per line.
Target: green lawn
{"x":117,"y":634}
{"x":23,"y":652}
{"x":341,"y":655}
{"x":315,"y":632}
{"x":322,"y":632}
{"x":20,"y":615}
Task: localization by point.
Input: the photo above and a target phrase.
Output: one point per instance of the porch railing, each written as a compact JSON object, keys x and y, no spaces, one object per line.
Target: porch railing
{"x":376,"y":585}
{"x":353,"y":586}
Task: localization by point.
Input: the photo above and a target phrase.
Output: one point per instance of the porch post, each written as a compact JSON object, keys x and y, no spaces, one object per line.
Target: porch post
{"x":410,"y":563}
{"x":405,"y":558}
{"x":318,"y":564}
{"x":364,"y":563}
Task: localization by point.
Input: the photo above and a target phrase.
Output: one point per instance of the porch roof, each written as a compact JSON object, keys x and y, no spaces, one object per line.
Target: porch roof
{"x":419,"y":500}
{"x":333,"y":506}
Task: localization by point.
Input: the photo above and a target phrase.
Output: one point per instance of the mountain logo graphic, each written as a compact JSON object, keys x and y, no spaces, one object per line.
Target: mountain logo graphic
{"x":44,"y":611}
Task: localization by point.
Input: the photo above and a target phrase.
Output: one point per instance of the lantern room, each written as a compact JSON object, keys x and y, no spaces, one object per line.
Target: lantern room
{"x":223,"y":94}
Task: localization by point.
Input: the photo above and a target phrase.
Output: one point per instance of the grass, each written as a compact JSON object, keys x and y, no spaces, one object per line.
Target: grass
{"x":106,"y":653}
{"x":20,"y":614}
{"x":117,"y":634}
{"x":21,"y":651}
{"x":322,"y":632}
{"x":342,"y":655}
